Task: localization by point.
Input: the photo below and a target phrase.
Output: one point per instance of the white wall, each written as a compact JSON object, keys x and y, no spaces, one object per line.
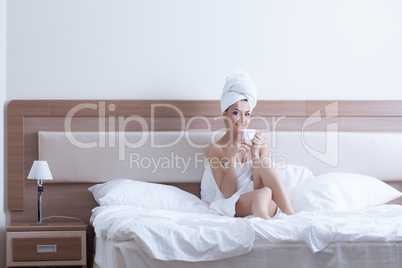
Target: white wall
{"x":180,"y":49}
{"x":2,"y":115}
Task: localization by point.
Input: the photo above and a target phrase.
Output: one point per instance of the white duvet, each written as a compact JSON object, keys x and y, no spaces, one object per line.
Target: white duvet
{"x":169,"y":235}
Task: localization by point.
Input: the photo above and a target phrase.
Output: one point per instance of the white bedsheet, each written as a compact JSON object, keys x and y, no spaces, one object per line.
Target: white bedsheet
{"x":318,"y":229}
{"x":169,"y":235}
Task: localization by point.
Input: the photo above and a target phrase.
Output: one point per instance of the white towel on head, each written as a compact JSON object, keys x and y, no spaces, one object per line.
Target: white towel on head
{"x":238,"y":86}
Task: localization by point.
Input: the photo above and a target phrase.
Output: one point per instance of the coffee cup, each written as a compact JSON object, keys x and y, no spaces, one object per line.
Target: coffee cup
{"x":248,"y":134}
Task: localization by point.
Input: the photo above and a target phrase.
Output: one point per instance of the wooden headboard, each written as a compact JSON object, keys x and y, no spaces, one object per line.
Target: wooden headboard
{"x":25,"y":118}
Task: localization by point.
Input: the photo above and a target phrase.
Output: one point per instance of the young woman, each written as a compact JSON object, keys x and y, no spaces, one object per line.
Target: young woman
{"x":239,"y":179}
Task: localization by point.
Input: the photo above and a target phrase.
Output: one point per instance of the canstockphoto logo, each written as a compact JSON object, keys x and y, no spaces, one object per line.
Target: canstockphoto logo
{"x":330,"y":155}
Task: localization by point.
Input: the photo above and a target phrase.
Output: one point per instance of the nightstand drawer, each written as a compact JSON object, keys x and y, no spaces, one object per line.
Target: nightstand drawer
{"x":46,"y":249}
{"x":56,"y":247}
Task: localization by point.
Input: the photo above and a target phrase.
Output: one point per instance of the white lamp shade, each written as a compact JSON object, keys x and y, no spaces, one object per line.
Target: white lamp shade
{"x":40,"y":171}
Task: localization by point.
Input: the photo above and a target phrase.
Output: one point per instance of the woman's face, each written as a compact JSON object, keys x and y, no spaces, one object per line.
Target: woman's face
{"x":238,"y":115}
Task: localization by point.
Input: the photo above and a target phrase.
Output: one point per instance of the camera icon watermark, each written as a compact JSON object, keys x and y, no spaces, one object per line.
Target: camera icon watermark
{"x":330,"y":154}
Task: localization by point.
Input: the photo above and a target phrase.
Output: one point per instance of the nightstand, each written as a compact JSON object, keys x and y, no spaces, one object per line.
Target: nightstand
{"x":58,"y":244}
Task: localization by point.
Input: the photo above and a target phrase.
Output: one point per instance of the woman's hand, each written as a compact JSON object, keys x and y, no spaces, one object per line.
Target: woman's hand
{"x":258,"y":143}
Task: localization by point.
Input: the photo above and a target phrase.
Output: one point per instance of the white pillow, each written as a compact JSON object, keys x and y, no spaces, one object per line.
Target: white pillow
{"x":146,"y":195}
{"x":294,"y":175}
{"x":341,"y":192}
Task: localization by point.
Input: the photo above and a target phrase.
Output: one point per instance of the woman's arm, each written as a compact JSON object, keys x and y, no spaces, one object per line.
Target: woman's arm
{"x":226,"y":179}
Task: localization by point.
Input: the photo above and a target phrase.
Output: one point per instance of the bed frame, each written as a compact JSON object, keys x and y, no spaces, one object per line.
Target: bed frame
{"x":25,"y":118}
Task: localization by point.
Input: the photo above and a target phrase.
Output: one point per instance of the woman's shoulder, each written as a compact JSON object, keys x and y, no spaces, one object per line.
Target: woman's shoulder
{"x":216,"y":156}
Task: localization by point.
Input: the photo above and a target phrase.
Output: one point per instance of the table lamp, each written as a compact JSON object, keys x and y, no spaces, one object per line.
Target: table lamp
{"x":40,"y":171}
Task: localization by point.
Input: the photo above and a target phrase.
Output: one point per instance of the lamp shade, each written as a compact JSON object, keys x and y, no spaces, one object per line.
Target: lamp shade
{"x":40,"y":171}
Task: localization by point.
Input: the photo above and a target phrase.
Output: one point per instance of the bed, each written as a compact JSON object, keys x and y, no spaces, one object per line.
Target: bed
{"x":340,"y":144}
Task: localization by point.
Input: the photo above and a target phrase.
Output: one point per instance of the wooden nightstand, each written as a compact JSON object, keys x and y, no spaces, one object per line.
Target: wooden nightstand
{"x":59,"y":244}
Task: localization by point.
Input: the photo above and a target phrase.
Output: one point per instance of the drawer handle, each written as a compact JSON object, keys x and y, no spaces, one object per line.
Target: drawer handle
{"x":46,"y":248}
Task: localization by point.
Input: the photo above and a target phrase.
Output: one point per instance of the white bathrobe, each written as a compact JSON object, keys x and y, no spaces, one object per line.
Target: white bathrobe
{"x":213,"y":197}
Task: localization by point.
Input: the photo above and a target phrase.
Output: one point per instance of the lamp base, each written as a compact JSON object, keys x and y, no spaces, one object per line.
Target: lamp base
{"x":40,"y":223}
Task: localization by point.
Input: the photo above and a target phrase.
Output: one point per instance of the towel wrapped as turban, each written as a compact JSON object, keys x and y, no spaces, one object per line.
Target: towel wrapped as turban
{"x":238,"y":86}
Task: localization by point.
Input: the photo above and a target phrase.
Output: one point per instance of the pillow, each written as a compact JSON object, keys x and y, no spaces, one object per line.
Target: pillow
{"x":341,"y":192}
{"x":146,"y":195}
{"x":293,"y":175}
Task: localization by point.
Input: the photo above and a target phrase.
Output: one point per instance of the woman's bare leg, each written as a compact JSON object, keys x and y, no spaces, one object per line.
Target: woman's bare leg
{"x":266,"y":176}
{"x":257,"y":203}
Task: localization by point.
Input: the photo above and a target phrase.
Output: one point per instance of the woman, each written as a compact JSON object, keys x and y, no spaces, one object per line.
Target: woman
{"x":239,"y":179}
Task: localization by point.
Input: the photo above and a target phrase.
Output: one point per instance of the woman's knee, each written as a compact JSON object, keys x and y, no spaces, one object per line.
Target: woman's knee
{"x":265,"y":192}
{"x":266,"y":162}
{"x":263,"y":162}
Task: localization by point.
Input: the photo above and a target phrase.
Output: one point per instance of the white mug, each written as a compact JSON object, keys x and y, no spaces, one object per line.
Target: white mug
{"x":248,"y":134}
